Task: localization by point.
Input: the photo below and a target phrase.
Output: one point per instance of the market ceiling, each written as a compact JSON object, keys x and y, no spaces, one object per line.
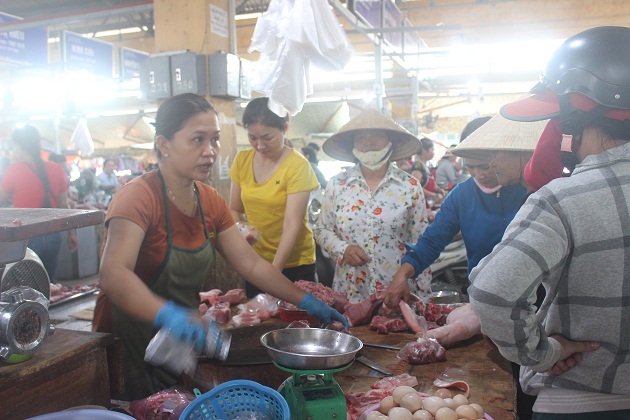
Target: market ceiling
{"x":443,"y":25}
{"x":453,"y":32}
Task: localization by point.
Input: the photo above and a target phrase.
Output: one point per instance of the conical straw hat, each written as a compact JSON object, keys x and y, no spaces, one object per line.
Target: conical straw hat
{"x":339,"y":145}
{"x":500,"y":134}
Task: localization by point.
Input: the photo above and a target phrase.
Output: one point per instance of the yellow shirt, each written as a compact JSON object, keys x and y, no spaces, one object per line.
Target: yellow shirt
{"x":265,"y":204}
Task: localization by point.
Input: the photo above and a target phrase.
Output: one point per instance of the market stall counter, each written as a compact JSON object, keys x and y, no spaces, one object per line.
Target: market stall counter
{"x":71,"y":368}
{"x":54,"y":371}
{"x":475,"y":361}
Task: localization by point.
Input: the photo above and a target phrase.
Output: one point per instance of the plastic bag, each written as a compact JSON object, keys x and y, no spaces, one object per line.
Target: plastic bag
{"x":249,"y":232}
{"x":263,"y":305}
{"x":316,"y":29}
{"x":291,"y":35}
{"x":163,"y":405}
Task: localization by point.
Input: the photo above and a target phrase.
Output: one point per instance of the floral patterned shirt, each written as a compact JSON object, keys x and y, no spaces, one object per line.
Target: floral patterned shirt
{"x":378,"y":221}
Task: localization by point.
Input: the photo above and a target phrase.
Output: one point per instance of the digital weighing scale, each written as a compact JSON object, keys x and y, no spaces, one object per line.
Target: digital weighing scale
{"x":314,"y":394}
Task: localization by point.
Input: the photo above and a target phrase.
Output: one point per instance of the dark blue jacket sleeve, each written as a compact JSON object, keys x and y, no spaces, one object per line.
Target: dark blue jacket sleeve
{"x":436,"y":236}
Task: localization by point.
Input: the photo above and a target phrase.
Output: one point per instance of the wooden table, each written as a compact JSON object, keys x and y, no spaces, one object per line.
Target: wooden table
{"x":19,"y":225}
{"x":70,"y":369}
{"x":489,"y":374}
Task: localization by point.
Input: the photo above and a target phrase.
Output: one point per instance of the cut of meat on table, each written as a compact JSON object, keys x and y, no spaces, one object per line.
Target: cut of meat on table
{"x":411,"y":317}
{"x":384,"y":325}
{"x":392,"y":382}
{"x":263,"y":305}
{"x":361,"y":313}
{"x":436,"y":313}
{"x":245,"y":319}
{"x":330,"y":297}
{"x":422,"y":351}
{"x":215,"y":296}
{"x":219,"y":312}
{"x":461,"y":324}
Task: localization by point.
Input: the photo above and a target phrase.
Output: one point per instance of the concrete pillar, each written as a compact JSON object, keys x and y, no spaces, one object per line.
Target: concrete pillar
{"x":203,"y":26}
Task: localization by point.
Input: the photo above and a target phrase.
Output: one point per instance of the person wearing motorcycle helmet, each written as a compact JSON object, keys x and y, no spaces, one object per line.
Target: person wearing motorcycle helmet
{"x":569,"y":236}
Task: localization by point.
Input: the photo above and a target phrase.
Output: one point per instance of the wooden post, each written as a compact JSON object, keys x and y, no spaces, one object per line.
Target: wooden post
{"x":203,"y":26}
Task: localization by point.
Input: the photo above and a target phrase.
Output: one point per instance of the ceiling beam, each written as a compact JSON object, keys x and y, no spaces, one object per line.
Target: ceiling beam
{"x":99,"y":13}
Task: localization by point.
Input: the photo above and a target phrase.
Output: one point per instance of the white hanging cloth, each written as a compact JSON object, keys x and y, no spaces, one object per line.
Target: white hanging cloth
{"x":290,"y":36}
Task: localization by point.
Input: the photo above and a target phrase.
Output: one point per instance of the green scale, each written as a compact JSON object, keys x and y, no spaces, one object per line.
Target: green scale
{"x":314,"y":394}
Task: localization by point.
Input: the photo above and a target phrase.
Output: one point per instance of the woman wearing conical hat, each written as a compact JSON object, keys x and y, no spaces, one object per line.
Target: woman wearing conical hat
{"x":372,"y":209}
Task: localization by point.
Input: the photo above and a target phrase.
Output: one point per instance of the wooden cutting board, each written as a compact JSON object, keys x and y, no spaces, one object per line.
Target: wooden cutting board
{"x":246,"y":348}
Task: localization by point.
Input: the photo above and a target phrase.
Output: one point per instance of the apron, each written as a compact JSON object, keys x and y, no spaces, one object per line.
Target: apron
{"x":183,"y":274}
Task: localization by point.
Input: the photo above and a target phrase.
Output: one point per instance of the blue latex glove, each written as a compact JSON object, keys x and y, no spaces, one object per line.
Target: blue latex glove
{"x":318,"y":309}
{"x":181,"y":324}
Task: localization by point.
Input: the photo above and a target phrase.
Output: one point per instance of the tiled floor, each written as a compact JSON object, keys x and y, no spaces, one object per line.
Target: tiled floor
{"x":60,"y":315}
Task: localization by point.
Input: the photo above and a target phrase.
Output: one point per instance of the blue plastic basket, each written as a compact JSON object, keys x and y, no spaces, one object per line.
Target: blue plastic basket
{"x":235,"y":398}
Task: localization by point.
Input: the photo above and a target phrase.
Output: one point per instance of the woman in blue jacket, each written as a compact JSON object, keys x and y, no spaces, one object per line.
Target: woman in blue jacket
{"x":479,"y":207}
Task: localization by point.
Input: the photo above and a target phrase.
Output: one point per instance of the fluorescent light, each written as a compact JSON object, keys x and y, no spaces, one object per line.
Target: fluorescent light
{"x":246,"y":16}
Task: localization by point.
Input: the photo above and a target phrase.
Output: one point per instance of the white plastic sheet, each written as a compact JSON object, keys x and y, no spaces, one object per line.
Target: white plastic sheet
{"x":290,"y":36}
{"x":82,"y":139}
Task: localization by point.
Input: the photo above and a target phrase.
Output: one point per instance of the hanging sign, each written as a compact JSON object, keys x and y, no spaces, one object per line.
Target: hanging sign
{"x":369,"y":11}
{"x":92,"y":55}
{"x":29,"y":46}
{"x":218,"y":21}
{"x":392,"y":19}
{"x":130,"y":61}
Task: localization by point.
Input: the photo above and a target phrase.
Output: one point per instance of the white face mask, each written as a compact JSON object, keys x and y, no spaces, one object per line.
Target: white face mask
{"x":486,"y":189}
{"x":374,"y":159}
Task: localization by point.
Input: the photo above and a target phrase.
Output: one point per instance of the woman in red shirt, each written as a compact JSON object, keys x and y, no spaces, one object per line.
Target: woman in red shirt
{"x":34,"y":183}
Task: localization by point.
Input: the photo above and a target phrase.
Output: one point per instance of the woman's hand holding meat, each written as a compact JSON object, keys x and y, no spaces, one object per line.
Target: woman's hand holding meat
{"x":318,"y":309}
{"x":355,"y":256}
{"x":181,"y":324}
{"x":571,"y":353}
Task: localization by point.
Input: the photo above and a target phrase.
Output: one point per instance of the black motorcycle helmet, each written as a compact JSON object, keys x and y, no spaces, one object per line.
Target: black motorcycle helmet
{"x":586,"y":80}
{"x":593,"y":65}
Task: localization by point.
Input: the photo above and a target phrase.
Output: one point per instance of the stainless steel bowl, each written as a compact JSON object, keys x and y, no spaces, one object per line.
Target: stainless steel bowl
{"x":310,"y":348}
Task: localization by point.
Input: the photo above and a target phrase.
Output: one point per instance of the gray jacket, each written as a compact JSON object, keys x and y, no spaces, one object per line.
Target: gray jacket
{"x":573,"y":236}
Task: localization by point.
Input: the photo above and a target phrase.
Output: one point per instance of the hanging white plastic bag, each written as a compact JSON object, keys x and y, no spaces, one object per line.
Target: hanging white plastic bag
{"x":268,"y":36}
{"x":315,"y":27}
{"x":289,"y":36}
{"x":291,"y":82}
{"x":82,"y":139}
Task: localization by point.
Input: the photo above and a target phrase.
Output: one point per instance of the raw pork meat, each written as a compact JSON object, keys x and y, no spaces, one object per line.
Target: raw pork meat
{"x":461,"y":324}
{"x":168,"y":404}
{"x":423,"y":351}
{"x":361,"y":313}
{"x":219,"y":312}
{"x":215,"y":296}
{"x":245,"y":319}
{"x":263,"y":305}
{"x":384,"y":325}
{"x":337,"y":300}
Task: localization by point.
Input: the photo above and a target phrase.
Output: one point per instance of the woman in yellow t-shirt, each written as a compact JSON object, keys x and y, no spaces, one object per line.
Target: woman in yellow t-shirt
{"x":271,"y":184}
